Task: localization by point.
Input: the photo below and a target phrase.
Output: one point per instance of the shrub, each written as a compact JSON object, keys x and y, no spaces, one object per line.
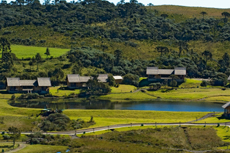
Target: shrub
{"x":12,"y":97}
{"x":204,"y":83}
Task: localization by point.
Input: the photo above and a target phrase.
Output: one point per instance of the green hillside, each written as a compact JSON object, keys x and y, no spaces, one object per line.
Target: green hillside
{"x":118,"y":39}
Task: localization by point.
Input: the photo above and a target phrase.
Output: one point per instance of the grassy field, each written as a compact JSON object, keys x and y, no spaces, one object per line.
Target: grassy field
{"x":43,"y":149}
{"x":7,"y":146}
{"x":189,"y":12}
{"x":216,"y":119}
{"x":111,"y":117}
{"x":123,"y":89}
{"x":190,"y":83}
{"x":186,"y":92}
{"x":199,"y":94}
{"x":163,"y":139}
{"x":30,"y":51}
{"x":59,"y":92}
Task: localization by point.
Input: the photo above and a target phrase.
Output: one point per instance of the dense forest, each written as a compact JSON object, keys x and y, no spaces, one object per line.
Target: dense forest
{"x":94,"y":30}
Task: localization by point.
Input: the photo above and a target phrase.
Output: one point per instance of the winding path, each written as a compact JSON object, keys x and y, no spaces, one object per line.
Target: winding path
{"x":22,"y":146}
{"x":90,"y":130}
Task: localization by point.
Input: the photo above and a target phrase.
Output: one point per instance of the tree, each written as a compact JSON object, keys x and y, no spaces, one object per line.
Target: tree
{"x":111,"y":80}
{"x":203,"y":13}
{"x":122,"y":1}
{"x":134,"y":1}
{"x":31,"y":63}
{"x":47,"y":52}
{"x":207,"y":55}
{"x":4,"y":46}
{"x":164,"y":15}
{"x":162,"y":50}
{"x":15,"y":133}
{"x":47,"y":2}
{"x":38,"y":59}
{"x":118,"y":56}
{"x":182,"y":46}
{"x":219,"y":80}
{"x":4,"y":2}
{"x":155,"y":86}
{"x":76,"y":125}
{"x":150,"y":4}
{"x":173,"y":83}
{"x":204,"y":83}
{"x":58,"y":74}
{"x":76,"y":69}
{"x":225,"y":14}
{"x":95,"y":88}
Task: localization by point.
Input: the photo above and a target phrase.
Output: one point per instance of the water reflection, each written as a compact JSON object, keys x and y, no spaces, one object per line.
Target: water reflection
{"x":106,"y":104}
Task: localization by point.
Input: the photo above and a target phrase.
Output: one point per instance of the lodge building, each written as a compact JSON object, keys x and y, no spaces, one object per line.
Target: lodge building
{"x":155,"y":74}
{"x":76,"y":81}
{"x":15,"y":85}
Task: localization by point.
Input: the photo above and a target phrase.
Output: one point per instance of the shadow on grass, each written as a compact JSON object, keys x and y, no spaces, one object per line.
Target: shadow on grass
{"x":4,"y":92}
{"x":223,"y":117}
{"x":166,"y":90}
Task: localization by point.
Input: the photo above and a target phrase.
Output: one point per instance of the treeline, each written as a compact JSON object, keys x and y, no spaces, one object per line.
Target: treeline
{"x":102,"y":19}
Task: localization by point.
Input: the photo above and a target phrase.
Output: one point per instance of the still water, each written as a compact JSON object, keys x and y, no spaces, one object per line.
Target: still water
{"x":155,"y":105}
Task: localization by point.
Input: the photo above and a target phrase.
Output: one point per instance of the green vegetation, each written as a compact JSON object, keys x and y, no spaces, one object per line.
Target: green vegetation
{"x":7,"y":146}
{"x":30,"y":51}
{"x":43,"y":148}
{"x":164,"y":139}
{"x":58,"y":91}
{"x":112,"y":117}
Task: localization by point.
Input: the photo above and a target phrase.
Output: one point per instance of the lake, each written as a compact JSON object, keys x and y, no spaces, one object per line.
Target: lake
{"x":154,"y":105}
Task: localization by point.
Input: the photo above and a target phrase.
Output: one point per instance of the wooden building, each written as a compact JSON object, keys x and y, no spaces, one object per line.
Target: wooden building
{"x":75,"y":81}
{"x":155,"y":74}
{"x":118,"y":79}
{"x":226,"y":109}
{"x":41,"y":85}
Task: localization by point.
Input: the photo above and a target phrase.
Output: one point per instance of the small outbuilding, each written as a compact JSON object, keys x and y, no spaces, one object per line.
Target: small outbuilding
{"x":118,"y":79}
{"x":226,"y":109}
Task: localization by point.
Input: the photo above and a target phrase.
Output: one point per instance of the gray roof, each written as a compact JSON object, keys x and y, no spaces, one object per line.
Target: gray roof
{"x":44,"y":82}
{"x":73,"y":78}
{"x":152,"y":70}
{"x":117,"y":77}
{"x":165,"y":71}
{"x":180,"y":71}
{"x":13,"y":82}
{"x":102,"y":77}
{"x":27,"y":82}
{"x":229,"y":78}
{"x":176,"y":71}
{"x":226,"y":105}
{"x":84,"y":79}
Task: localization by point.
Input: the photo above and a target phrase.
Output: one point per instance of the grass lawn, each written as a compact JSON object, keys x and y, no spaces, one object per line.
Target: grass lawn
{"x":112,"y":117}
{"x":7,"y":146}
{"x":123,"y":89}
{"x":216,"y":119}
{"x":192,"y":94}
{"x":15,"y":116}
{"x":30,"y":51}
{"x":58,"y":92}
{"x":190,"y":83}
{"x":121,"y":129}
{"x":43,"y":149}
